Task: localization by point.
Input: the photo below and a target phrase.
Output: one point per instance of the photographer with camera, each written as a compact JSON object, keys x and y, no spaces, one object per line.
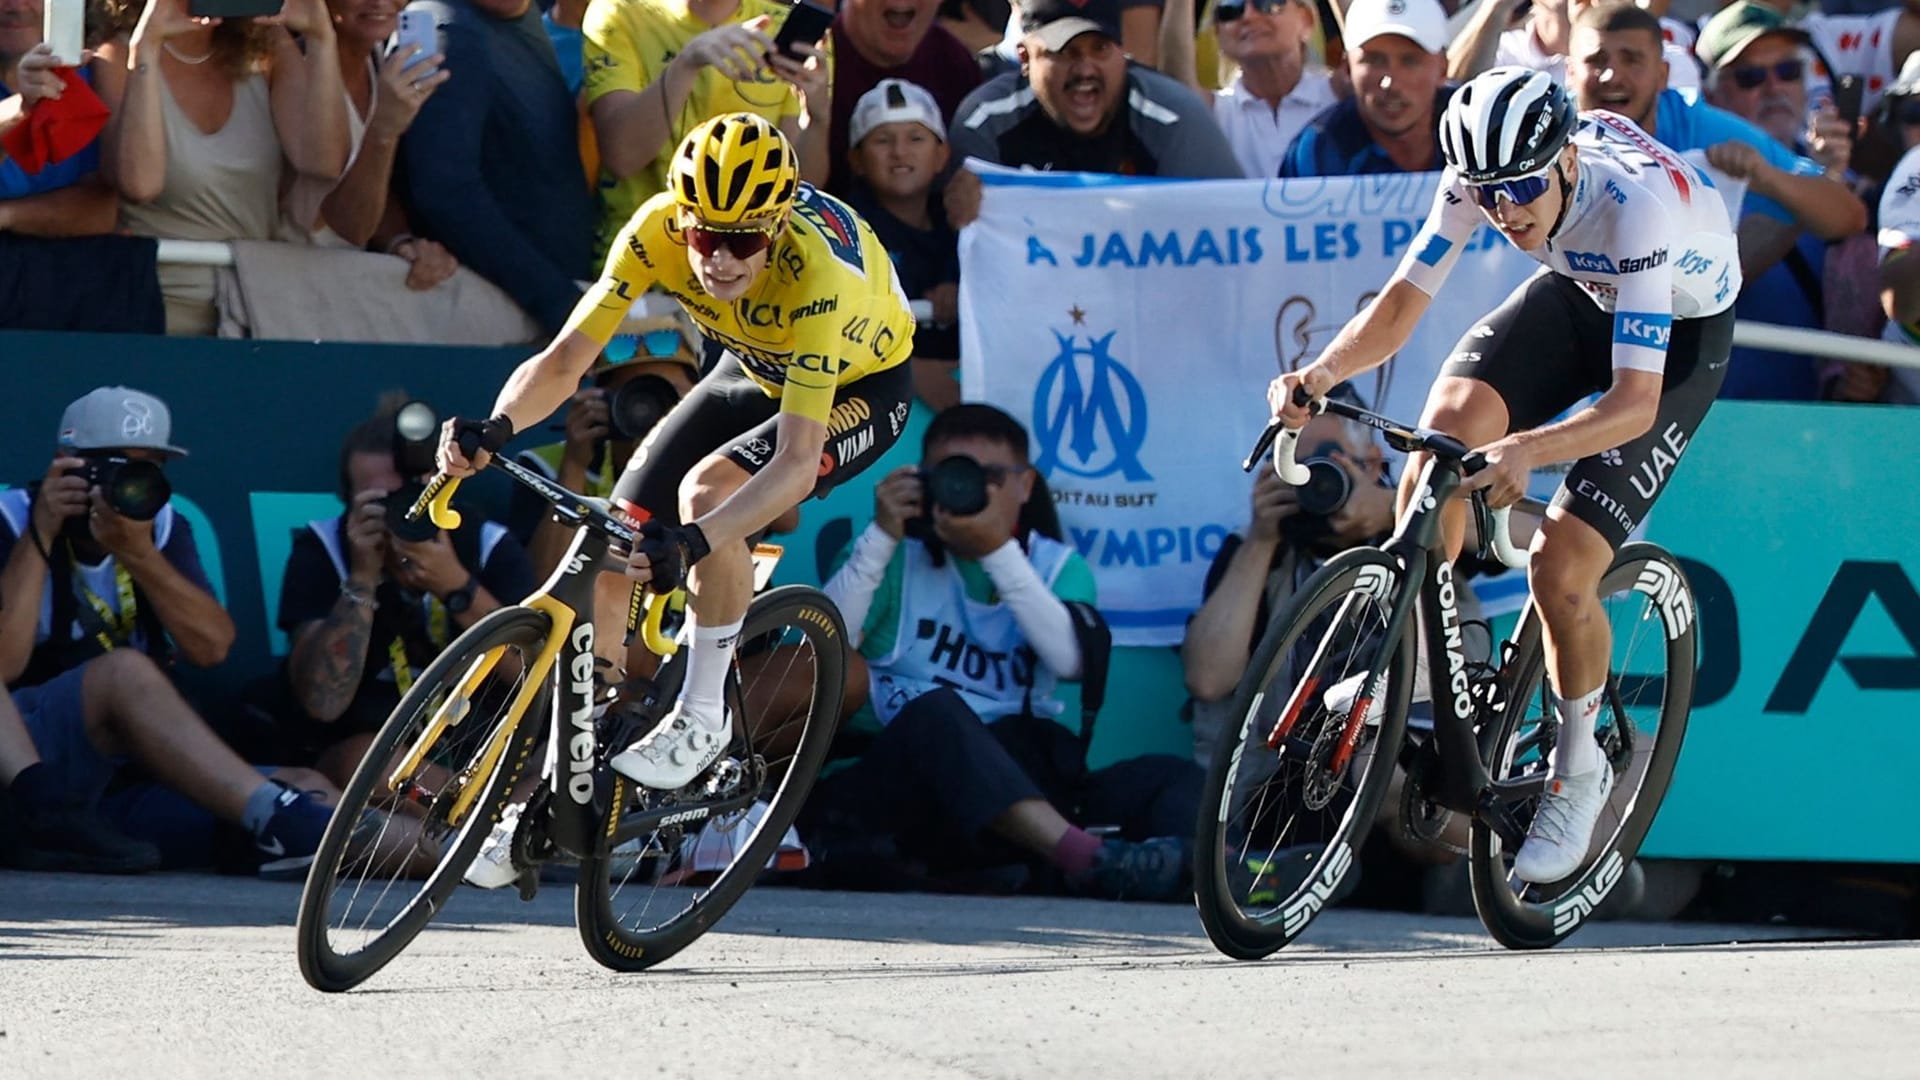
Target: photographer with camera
{"x":103,"y":587}
{"x":957,"y":601}
{"x":640,"y":375}
{"x":370,"y":598}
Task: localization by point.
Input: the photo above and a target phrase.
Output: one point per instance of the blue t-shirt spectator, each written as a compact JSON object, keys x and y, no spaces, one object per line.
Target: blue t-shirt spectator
{"x":1337,"y":143}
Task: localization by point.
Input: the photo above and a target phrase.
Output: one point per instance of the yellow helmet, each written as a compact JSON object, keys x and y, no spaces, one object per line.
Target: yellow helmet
{"x":735,"y":168}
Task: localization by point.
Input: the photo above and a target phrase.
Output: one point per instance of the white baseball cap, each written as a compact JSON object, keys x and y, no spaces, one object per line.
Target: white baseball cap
{"x":895,"y":101}
{"x":1423,"y":22}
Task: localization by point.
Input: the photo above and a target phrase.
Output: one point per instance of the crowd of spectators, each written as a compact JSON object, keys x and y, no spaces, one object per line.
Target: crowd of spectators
{"x":465,"y":194}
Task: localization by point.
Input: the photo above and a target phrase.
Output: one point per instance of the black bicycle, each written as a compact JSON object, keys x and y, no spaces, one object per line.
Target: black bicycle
{"x":656,"y":868}
{"x":1289,"y":801}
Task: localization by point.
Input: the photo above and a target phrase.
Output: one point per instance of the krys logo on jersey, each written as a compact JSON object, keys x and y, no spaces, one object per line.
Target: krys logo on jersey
{"x":1090,"y":425}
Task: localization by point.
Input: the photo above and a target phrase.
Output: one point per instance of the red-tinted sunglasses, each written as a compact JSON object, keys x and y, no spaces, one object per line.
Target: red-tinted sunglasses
{"x":742,"y":244}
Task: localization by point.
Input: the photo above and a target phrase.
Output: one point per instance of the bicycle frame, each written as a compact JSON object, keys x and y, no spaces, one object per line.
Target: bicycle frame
{"x":1462,"y":743}
{"x":582,"y":788}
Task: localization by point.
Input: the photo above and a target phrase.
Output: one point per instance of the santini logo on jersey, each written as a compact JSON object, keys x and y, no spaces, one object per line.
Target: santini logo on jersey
{"x":1642,"y":328}
{"x":1596,"y":263}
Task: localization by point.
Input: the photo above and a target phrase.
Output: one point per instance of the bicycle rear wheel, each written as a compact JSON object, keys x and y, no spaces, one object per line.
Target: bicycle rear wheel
{"x":674,"y":863}
{"x":401,"y":838}
{"x":1280,"y":827}
{"x":1643,"y":723}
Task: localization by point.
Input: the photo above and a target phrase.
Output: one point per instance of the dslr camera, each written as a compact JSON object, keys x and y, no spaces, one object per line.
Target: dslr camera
{"x":134,"y":487}
{"x":416,"y":436}
{"x":1325,"y":494}
{"x":956,"y":484}
{"x":639,"y":404}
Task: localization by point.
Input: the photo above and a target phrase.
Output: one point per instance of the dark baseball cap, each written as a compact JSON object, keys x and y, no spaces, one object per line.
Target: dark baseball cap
{"x":1056,"y":22}
{"x":1737,"y":26}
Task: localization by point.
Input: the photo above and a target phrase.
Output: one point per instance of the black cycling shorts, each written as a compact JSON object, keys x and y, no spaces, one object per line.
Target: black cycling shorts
{"x":727,"y":412}
{"x":1548,"y":346}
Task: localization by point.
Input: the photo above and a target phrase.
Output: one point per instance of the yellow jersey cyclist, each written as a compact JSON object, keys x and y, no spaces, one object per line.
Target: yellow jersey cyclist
{"x":811,"y":388}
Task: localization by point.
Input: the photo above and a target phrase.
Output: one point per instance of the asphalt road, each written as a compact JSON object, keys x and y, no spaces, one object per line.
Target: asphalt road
{"x":194,"y":977}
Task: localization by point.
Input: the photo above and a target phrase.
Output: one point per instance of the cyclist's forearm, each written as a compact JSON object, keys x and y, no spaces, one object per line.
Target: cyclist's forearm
{"x":544,"y":382}
{"x":1375,"y":334}
{"x":1619,"y":416}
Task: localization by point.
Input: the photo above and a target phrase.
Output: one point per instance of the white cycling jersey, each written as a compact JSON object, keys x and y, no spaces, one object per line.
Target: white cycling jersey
{"x":1644,"y":235}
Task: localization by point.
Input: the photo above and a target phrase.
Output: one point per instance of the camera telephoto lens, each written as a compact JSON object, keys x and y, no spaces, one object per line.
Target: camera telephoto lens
{"x":1327,"y":488}
{"x":957,"y":484}
{"x":133,"y":487}
{"x":416,"y":437}
{"x":398,"y":503}
{"x":639,"y":404}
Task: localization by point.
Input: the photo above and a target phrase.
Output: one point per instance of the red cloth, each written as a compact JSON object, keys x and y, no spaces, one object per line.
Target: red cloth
{"x":55,"y":129}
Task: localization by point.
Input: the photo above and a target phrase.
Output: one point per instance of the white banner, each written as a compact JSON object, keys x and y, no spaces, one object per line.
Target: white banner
{"x":1133,"y":327}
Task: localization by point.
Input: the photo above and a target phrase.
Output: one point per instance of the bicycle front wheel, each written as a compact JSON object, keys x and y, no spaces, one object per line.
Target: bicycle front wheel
{"x":1290,"y":797}
{"x":674,"y":863}
{"x":1643,"y":721}
{"x":422,"y":801}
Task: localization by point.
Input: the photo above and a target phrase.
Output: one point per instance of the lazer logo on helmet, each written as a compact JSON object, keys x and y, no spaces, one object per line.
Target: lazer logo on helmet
{"x":1642,"y":328}
{"x":1590,"y":262}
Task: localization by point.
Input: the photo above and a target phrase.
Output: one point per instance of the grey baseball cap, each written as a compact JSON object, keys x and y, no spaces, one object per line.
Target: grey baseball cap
{"x":115,"y":418}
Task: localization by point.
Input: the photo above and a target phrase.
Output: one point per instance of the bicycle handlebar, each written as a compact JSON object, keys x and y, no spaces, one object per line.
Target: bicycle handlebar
{"x":1399,"y":436}
{"x":436,"y":503}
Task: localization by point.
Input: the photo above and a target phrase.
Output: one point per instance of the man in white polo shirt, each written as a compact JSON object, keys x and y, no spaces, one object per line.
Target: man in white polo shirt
{"x":1273,"y":93}
{"x":1540,"y":43}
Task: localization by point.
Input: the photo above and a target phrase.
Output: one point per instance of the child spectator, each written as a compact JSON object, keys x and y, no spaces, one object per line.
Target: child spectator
{"x":898,"y":149}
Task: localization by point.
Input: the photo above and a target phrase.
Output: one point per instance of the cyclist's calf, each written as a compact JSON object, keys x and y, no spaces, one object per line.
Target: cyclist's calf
{"x":1569,"y":558}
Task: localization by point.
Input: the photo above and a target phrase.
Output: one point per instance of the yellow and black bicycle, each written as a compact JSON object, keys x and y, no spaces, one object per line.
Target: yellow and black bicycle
{"x":512,"y":710}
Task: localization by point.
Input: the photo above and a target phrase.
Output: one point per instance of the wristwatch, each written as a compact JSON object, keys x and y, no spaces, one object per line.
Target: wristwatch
{"x":461,"y":598}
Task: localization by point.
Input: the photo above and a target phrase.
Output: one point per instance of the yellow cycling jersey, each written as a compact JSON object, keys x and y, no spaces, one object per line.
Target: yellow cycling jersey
{"x":825,"y":311}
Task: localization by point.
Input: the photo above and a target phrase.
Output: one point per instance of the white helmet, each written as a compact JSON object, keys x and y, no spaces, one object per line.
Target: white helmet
{"x":1506,"y":123}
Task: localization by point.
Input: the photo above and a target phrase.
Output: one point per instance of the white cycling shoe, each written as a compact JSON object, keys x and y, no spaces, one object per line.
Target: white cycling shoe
{"x":1563,"y":825}
{"x":493,"y":867}
{"x":678,"y":749}
{"x":1339,"y":697}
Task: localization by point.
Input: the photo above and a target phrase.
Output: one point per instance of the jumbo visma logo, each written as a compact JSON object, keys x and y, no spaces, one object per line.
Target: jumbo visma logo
{"x":1089,"y":414}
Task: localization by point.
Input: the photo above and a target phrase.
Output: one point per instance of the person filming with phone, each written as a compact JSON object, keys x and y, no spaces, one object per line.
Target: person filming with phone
{"x":657,"y":69}
{"x":210,"y":99}
{"x":811,"y":387}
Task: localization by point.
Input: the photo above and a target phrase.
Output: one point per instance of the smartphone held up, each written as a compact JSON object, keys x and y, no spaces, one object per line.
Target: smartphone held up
{"x":806,"y":23}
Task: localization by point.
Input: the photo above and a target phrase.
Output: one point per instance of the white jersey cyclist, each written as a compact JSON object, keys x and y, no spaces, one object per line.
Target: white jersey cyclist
{"x":1634,"y":302}
{"x":1643,"y":234}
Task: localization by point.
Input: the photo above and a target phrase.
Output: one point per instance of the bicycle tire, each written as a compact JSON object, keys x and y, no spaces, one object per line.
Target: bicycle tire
{"x":325,"y":966}
{"x":800,"y":616}
{"x":1539,"y":917}
{"x":1229,"y":833}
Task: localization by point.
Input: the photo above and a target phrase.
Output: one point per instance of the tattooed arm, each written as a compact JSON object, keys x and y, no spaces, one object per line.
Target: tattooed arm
{"x":330,"y":655}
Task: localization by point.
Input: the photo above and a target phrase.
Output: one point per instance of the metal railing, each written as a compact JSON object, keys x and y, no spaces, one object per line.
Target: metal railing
{"x":649,"y":306}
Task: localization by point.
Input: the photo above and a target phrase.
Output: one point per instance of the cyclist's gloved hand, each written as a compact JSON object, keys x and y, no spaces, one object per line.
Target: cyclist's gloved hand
{"x":669,"y":552}
{"x":465,"y":444}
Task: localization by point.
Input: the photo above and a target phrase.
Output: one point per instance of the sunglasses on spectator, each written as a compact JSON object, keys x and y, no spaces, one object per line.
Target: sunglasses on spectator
{"x":1227,"y":11}
{"x":1518,"y":192}
{"x":658,"y":344}
{"x":1753,"y":76}
{"x":742,"y":244}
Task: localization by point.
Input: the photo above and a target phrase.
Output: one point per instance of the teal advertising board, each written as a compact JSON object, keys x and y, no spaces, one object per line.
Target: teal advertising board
{"x":1799,"y":525}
